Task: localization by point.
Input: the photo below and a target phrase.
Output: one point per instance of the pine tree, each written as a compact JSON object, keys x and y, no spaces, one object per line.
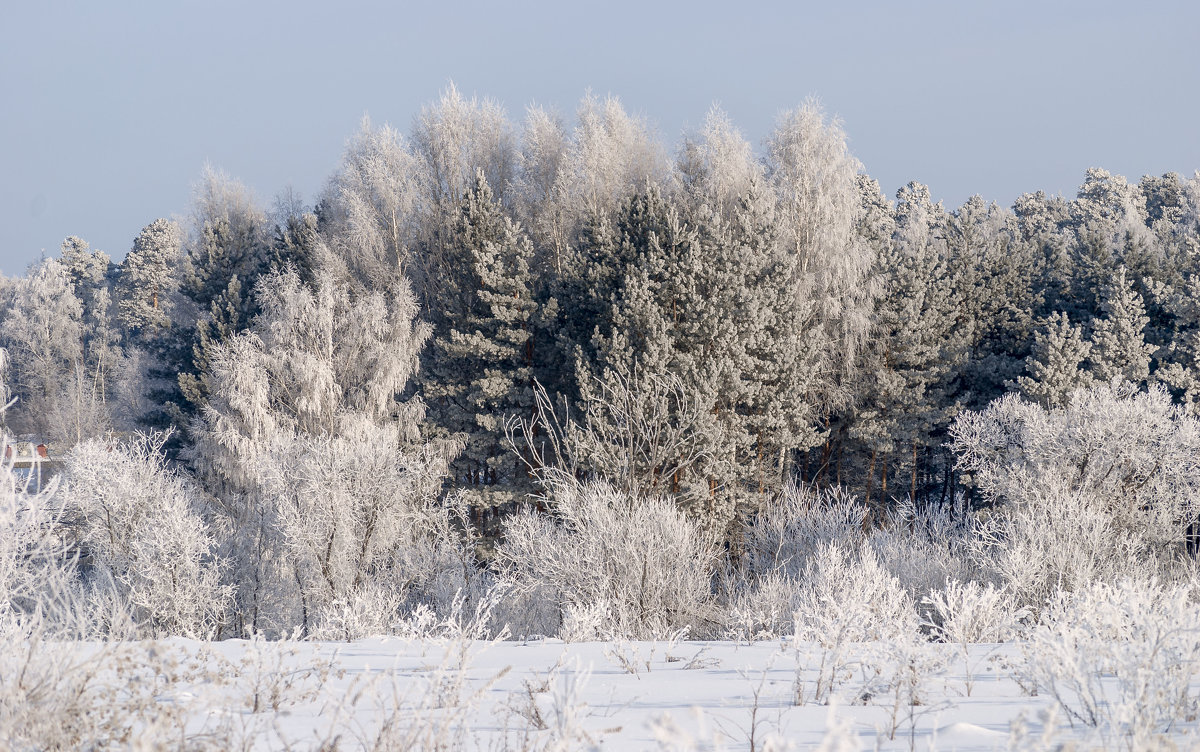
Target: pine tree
{"x":223,"y":260}
{"x":917,"y":351}
{"x":479,"y":371}
{"x":1179,"y":362}
{"x":638,"y":372}
{"x":1119,"y":348}
{"x":147,"y":280}
{"x":1055,"y":363}
{"x":993,"y":272}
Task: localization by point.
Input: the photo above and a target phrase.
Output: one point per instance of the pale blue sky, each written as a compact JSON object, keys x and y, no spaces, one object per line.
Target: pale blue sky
{"x":108,"y":111}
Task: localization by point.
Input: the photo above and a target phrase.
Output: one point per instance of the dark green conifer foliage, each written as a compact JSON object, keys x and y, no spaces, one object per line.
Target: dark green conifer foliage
{"x":1119,"y":347}
{"x":1055,"y":366}
{"x":478,"y":373}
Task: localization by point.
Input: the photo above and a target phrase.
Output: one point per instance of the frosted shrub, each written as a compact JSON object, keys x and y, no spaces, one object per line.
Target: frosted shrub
{"x":1119,"y":658}
{"x":362,"y":527}
{"x":847,"y":595}
{"x":925,"y":547}
{"x":783,"y":535}
{"x":846,"y":598}
{"x":1097,"y":489}
{"x":37,"y":566}
{"x":142,"y":529}
{"x":642,"y":557}
{"x":764,"y":608}
{"x":780,"y":542}
{"x":967,"y":613}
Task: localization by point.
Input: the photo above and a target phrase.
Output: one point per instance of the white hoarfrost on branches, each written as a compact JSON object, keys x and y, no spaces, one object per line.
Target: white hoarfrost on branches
{"x":1119,"y":659}
{"x":639,"y":559}
{"x":143,"y":532}
{"x":1105,"y":485}
{"x":331,"y":500}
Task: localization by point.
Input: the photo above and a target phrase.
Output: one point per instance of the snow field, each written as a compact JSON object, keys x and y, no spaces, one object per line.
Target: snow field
{"x":548,"y":695}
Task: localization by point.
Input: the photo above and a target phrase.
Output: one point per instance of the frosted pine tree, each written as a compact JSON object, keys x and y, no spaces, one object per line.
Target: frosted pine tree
{"x":88,"y":271}
{"x":638,"y":374}
{"x":226,"y":254}
{"x":1179,"y":362}
{"x":454,"y":139}
{"x":296,"y":245}
{"x":1119,"y":348}
{"x":1055,"y":366}
{"x":147,"y":279}
{"x":918,"y":348}
{"x":479,"y":371}
{"x":763,"y":361}
{"x":993,"y":272}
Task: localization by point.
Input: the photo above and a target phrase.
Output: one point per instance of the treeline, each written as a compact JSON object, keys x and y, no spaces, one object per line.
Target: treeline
{"x":493,"y":302}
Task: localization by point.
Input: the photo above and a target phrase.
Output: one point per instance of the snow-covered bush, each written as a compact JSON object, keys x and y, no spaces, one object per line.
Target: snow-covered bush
{"x":965,"y":613}
{"x":644,"y":558}
{"x":782,"y":536}
{"x":1119,"y":658}
{"x":363,"y":527}
{"x":37,"y":565}
{"x":1095,"y":490}
{"x":142,"y":530}
{"x":928,"y":546}
{"x":779,"y":542}
{"x":846,"y":597}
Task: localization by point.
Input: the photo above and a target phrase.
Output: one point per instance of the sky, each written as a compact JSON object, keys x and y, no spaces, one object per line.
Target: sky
{"x":110,"y":111}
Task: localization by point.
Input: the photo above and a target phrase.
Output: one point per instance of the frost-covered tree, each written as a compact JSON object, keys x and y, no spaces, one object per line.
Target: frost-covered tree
{"x":357,"y":518}
{"x":543,"y":150}
{"x":1119,"y":348}
{"x":815,"y":180}
{"x":226,"y":252}
{"x":1055,"y":366}
{"x":147,"y":280}
{"x":370,"y":205}
{"x":320,"y":370}
{"x":1110,"y":201}
{"x":718,"y":167}
{"x":993,"y":275}
{"x":637,"y":339}
{"x":88,"y":271}
{"x":613,"y":565}
{"x":1179,"y":361}
{"x":60,"y":397}
{"x":457,"y":138}
{"x":144,"y":535}
{"x":610,"y":154}
{"x":479,"y":371}
{"x":908,"y":392}
{"x":704,"y":304}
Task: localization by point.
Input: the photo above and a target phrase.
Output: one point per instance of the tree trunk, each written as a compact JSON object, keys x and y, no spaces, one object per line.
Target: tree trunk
{"x":913,"y":495}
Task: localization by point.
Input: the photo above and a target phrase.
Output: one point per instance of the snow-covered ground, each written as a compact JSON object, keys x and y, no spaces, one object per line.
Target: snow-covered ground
{"x":421,"y":694}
